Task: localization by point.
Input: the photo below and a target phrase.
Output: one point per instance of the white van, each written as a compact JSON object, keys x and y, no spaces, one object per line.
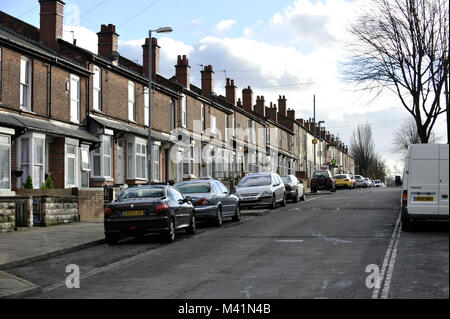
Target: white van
{"x":425,"y":183}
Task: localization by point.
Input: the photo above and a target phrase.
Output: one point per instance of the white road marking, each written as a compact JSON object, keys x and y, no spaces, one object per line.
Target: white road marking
{"x":388,"y":263}
{"x":334,"y":240}
{"x":290,"y":240}
{"x":247,"y":291}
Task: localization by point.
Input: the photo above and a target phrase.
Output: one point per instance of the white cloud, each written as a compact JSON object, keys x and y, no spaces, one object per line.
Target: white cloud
{"x":86,"y":38}
{"x":224,"y":25}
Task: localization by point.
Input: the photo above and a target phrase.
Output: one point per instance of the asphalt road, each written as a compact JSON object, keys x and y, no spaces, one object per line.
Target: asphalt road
{"x":314,"y":249}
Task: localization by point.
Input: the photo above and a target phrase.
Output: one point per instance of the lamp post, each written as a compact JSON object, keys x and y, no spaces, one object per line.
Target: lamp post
{"x":160,"y":30}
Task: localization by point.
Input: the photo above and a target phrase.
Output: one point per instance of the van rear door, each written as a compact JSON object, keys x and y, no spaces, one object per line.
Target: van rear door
{"x":443,"y":180}
{"x":423,"y":181}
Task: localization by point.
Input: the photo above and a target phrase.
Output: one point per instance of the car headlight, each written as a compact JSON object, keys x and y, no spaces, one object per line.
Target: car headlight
{"x":266,"y":193}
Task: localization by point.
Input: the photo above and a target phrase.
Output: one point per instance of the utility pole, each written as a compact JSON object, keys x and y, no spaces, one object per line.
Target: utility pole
{"x":314,"y":124}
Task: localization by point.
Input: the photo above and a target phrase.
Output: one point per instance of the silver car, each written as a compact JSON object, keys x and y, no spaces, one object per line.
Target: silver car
{"x":211,"y":200}
{"x":261,"y":189}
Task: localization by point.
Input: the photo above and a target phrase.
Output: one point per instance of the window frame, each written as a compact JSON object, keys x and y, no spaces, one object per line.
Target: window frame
{"x":97,"y":90}
{"x":100,"y":152}
{"x":183,"y":110}
{"x":146,"y":106}
{"x":131,"y":101}
{"x":68,"y":156}
{"x":31,"y":164}
{"x":8,"y":146}
{"x":76,"y":79}
{"x":27,"y":82}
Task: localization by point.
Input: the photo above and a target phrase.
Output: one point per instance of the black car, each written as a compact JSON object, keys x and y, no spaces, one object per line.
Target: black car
{"x":211,"y":199}
{"x":149,"y":209}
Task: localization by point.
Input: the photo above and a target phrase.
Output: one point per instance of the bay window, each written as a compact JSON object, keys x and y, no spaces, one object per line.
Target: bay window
{"x":102,"y":159}
{"x":31,"y":158}
{"x":146,"y":108}
{"x":85,"y":166}
{"x":5,"y":155}
{"x":155,"y":162}
{"x":137,"y":158}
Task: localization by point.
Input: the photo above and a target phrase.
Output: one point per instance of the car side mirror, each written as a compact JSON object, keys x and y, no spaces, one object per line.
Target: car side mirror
{"x":188,"y":199}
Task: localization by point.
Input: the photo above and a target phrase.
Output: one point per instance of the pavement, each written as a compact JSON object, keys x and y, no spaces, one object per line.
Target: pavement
{"x":39,"y":243}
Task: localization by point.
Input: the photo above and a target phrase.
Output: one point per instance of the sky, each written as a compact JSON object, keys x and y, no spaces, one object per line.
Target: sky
{"x":293,"y":48}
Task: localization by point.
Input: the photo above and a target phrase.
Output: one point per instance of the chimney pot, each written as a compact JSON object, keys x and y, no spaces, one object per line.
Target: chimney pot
{"x":51,"y":22}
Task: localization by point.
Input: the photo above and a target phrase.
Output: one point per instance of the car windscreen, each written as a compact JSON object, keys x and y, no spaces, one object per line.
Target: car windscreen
{"x":320,"y":173}
{"x":340,"y":176}
{"x":192,"y":188}
{"x":358,"y":177}
{"x":142,"y":193}
{"x":250,"y":181}
{"x":286,"y":179}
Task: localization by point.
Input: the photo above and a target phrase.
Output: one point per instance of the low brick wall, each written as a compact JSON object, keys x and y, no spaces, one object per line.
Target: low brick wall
{"x":7,"y":215}
{"x":59,"y":210}
{"x":90,"y":204}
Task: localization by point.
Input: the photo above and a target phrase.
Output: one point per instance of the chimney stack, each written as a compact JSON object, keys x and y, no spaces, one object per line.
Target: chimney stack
{"x":51,"y":22}
{"x":282,"y":105}
{"x":207,"y":81}
{"x":183,"y":72}
{"x":290,"y":113}
{"x":230,"y":91}
{"x":271,"y":112}
{"x":155,"y":57}
{"x":108,"y":41}
{"x":247,"y":99}
{"x":260,"y":107}
{"x":239,"y":102}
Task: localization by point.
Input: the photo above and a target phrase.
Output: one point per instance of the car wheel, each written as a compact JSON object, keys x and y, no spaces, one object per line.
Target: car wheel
{"x":192,"y":229}
{"x":219,"y":217}
{"x":283,"y":203}
{"x":303,"y":198}
{"x":314,"y":190}
{"x":296,"y":197}
{"x":237,"y":213}
{"x":274,"y":203}
{"x":112,"y":239}
{"x":170,"y":235}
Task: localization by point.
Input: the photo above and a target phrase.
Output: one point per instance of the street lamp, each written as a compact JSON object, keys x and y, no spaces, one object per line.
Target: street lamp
{"x":160,"y":30}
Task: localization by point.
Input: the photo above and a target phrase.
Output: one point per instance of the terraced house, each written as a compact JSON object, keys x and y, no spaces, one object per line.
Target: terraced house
{"x":82,"y":118}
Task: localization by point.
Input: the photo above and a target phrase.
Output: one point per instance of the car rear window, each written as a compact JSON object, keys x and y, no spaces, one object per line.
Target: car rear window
{"x":192,"y":188}
{"x":320,"y":173}
{"x":286,"y":179}
{"x":142,"y":193}
{"x":340,"y":177}
{"x":250,"y":181}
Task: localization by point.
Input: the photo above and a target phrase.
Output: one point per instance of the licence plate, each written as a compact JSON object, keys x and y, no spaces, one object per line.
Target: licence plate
{"x":249,"y":198}
{"x":423,"y":198}
{"x":133,"y":213}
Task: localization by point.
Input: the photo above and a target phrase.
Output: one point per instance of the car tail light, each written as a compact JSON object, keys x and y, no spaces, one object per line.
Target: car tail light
{"x":161,"y":208}
{"x":107,"y":211}
{"x":202,"y":201}
{"x":405,"y":198}
{"x":347,"y":180}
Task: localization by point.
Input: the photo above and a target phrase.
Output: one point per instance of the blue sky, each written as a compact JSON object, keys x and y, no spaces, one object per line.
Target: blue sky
{"x":284,"y":47}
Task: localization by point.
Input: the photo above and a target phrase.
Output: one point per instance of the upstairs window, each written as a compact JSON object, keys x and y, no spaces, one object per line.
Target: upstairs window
{"x":74,"y":99}
{"x":97,"y":89}
{"x":203,"y":117}
{"x":131,"y":101}
{"x":172,"y":115}
{"x":146,"y":108}
{"x":213,"y":124}
{"x":183,"y":111}
{"x":25,"y":83}
{"x":227,"y":124}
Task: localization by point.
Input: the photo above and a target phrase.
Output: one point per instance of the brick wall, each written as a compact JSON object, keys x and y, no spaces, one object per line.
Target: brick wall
{"x":90,"y":204}
{"x":56,"y":161}
{"x":7,"y":216}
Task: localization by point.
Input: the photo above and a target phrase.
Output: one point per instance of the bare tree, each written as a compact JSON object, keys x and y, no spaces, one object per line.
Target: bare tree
{"x":402,"y":46}
{"x":407,"y":134}
{"x":362,"y":148}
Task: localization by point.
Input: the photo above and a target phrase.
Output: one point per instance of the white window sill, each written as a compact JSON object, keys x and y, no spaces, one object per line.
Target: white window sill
{"x":102,"y":179}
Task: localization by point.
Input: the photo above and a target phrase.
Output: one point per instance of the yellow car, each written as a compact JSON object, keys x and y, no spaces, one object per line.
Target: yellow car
{"x":344,"y":181}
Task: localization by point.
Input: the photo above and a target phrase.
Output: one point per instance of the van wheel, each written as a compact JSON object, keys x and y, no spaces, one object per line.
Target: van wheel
{"x":296,"y":197}
{"x":283,"y":203}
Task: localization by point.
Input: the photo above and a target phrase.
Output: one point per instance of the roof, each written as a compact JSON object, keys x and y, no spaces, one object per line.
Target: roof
{"x":12,"y":120}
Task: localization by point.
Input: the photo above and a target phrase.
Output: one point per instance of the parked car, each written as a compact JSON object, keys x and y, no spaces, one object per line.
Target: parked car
{"x":211,"y":199}
{"x":322,"y":179}
{"x":293,"y":187}
{"x":377,"y":183}
{"x":368,"y":182}
{"x":148,"y":209}
{"x":360,"y":182}
{"x":344,"y":181}
{"x":352,"y":177}
{"x":261,"y":189}
{"x":425,"y":184}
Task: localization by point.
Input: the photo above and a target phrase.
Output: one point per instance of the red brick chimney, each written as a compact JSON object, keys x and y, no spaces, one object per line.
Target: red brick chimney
{"x":230,"y":91}
{"x":183,"y":72}
{"x":108,"y":41}
{"x":247,"y":99}
{"x":155,"y":57}
{"x":290,"y":113}
{"x":282,"y":105}
{"x":271,"y":112}
{"x":239,"y":102}
{"x":207,"y":81}
{"x":260,"y":107}
{"x":301,"y":121}
{"x":51,"y":22}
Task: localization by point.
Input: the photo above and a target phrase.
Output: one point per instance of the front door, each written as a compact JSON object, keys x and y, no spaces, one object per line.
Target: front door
{"x":121,"y":162}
